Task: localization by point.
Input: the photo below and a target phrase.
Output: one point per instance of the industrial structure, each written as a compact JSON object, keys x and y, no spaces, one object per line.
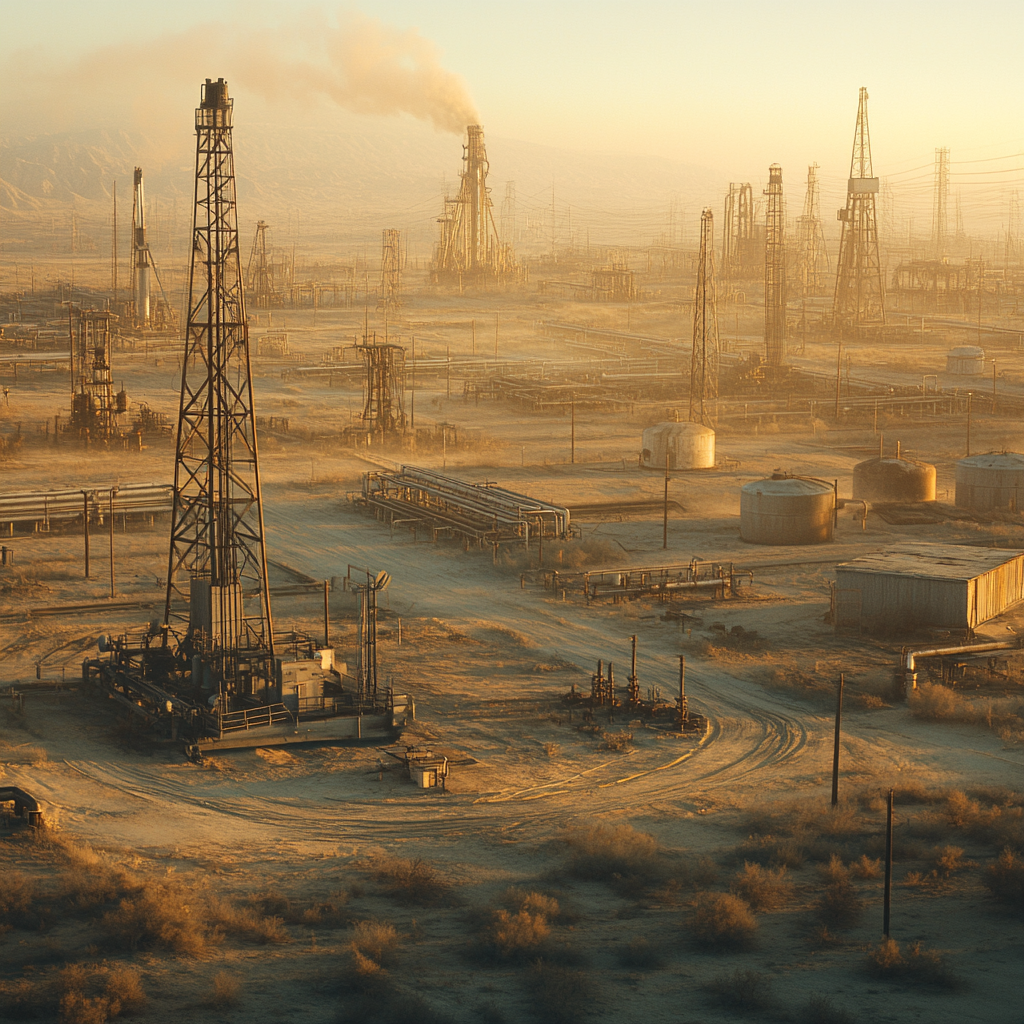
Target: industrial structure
{"x":389,"y":297}
{"x":383,"y":414}
{"x":860,"y":295}
{"x":470,"y":251}
{"x":259,"y":272}
{"x":991,"y":481}
{"x":215,"y":673}
{"x":774,"y":272}
{"x":787,"y":510}
{"x":813,"y":267}
{"x":669,"y":446}
{"x":95,"y":407}
{"x":742,"y":258}
{"x":892,"y":478}
{"x":940,"y":204}
{"x":145,"y":309}
{"x":704,"y":360}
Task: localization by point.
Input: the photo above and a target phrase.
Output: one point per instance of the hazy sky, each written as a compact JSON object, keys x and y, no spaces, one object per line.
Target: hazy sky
{"x":730,"y":86}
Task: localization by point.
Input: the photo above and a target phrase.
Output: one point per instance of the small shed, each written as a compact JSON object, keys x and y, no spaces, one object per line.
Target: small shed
{"x":950,"y":586}
{"x":966,"y":361}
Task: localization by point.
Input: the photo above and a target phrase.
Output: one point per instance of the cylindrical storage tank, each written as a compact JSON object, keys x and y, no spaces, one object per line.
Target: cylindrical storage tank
{"x":679,"y":446}
{"x":787,"y":510}
{"x":966,"y":360}
{"x":994,"y":480}
{"x":893,"y":479}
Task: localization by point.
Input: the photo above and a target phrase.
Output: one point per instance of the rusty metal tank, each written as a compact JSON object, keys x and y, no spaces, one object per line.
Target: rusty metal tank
{"x":680,"y":445}
{"x":993,"y":480}
{"x":787,"y":510}
{"x":892,"y":479}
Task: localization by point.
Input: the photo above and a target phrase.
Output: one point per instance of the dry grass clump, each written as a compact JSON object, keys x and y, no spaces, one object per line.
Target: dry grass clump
{"x":331,"y":913}
{"x":522,"y":927}
{"x":720,"y":920}
{"x":122,"y":995}
{"x":1005,"y":880}
{"x":156,"y":918}
{"x":939,"y":704}
{"x":245,"y":922}
{"x":839,"y":906}
{"x":562,"y":995}
{"x":916,"y":966}
{"x":866,"y":867}
{"x":124,"y":991}
{"x":618,"y":741}
{"x":17,"y":896}
{"x":224,"y":992}
{"x":948,"y":861}
{"x":823,"y":1010}
{"x":762,"y":888}
{"x":411,"y":882}
{"x":374,"y":945}
{"x":21,"y":753}
{"x":617,"y":854}
{"x":639,"y":955}
{"x":742,"y":990}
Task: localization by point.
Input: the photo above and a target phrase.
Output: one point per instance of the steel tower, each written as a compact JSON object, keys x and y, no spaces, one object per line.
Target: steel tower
{"x":860,"y":296}
{"x":774,"y":271}
{"x":813,"y":266}
{"x":940,"y":204}
{"x":704,"y":361}
{"x":218,"y":556}
{"x":259,"y":275}
{"x":390,"y":295}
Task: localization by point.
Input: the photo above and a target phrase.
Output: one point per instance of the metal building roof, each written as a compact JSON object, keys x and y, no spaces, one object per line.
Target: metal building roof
{"x":933,"y":561}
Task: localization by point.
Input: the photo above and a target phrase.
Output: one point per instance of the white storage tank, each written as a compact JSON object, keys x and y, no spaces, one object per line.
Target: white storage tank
{"x":679,"y":446}
{"x":787,"y":510}
{"x":966,"y":360}
{"x":993,"y":480}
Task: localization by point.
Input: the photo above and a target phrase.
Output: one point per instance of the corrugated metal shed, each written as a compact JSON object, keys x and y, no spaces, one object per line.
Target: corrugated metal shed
{"x":946,"y":585}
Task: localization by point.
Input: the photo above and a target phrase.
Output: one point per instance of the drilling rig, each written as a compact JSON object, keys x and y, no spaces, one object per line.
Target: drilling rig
{"x":95,"y":407}
{"x":470,"y":251}
{"x":774,"y":272}
{"x":145,"y":310}
{"x":704,"y":361}
{"x":214,"y":673}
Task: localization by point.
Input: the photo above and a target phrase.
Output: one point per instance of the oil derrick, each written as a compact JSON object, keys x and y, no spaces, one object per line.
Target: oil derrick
{"x":144,"y":310}
{"x":813,"y":264}
{"x":218,"y":556}
{"x":259,"y":274}
{"x":940,"y":204}
{"x":94,"y":405}
{"x":774,"y":272}
{"x":859,"y":297}
{"x":704,"y":361}
{"x":383,"y":386}
{"x":470,"y":250}
{"x":390,"y":295}
{"x":740,"y":255}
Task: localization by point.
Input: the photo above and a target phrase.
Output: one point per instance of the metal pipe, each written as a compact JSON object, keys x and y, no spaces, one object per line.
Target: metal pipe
{"x":910,"y":657}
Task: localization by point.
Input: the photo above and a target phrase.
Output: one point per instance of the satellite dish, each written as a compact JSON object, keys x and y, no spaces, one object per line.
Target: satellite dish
{"x":382,"y":580}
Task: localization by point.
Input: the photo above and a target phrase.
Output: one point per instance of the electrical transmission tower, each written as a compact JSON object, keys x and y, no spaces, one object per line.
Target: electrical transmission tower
{"x":218,"y":558}
{"x":259,"y":274}
{"x":940,"y":204}
{"x":813,"y":266}
{"x":390,"y":295}
{"x":704,"y":361}
{"x":774,"y":271}
{"x":860,"y":296}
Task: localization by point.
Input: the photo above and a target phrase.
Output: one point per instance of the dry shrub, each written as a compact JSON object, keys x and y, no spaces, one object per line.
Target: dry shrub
{"x":513,"y":935}
{"x":916,"y":966}
{"x":411,"y":881}
{"x":939,"y":704}
{"x":768,"y":851}
{"x":376,"y":941}
{"x":640,"y":955}
{"x":866,"y":867}
{"x":742,"y":990}
{"x":17,"y":896}
{"x":517,"y":899}
{"x":722,"y":921}
{"x":1005,"y":880}
{"x":839,"y":905}
{"x":614,"y":854}
{"x":948,"y":860}
{"x":763,"y":888}
{"x":246,"y":922}
{"x":823,"y":1010}
{"x":552,"y":749}
{"x":124,"y":991}
{"x":224,"y":992}
{"x":76,"y":1008}
{"x":618,"y":741}
{"x":561,"y":995}
{"x":156,"y":918}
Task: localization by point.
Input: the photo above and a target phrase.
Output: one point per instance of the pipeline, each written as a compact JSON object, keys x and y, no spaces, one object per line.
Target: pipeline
{"x":910,"y":657}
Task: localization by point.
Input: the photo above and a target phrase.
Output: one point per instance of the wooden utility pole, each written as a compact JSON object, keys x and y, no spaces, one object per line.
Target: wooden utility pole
{"x":327,"y":615}
{"x":887,"y":899}
{"x":85,"y":528}
{"x":110,"y":516}
{"x":664,"y":525}
{"x":835,"y":749}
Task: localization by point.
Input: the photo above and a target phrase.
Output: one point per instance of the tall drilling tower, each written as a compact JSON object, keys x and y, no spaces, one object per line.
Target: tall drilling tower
{"x":860,"y":296}
{"x":140,"y":256}
{"x":740,"y":255}
{"x":774,"y":271}
{"x":94,"y":405}
{"x":218,"y":558}
{"x":813,"y":262}
{"x":390,"y":295}
{"x":259,"y":273}
{"x":470,"y":249}
{"x":940,"y":204}
{"x":704,"y":361}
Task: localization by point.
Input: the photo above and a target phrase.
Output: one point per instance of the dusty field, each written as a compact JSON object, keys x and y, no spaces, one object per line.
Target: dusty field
{"x":559,"y":878}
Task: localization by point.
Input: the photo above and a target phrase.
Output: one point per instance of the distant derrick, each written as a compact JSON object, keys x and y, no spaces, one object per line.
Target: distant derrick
{"x":813,"y":267}
{"x":704,"y":360}
{"x":860,"y":296}
{"x":742,"y":258}
{"x":774,"y":272}
{"x":259,"y":273}
{"x":390,"y":295}
{"x":470,"y":250}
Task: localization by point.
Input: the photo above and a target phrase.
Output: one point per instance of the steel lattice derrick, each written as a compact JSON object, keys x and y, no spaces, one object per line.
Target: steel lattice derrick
{"x":774,"y":272}
{"x":217,"y":533}
{"x":704,"y":361}
{"x":860,"y":296}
